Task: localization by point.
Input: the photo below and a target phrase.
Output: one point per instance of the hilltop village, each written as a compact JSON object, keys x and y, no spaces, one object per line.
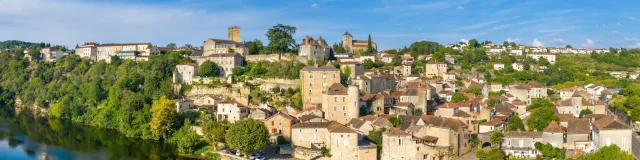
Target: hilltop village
{"x":350,"y":100}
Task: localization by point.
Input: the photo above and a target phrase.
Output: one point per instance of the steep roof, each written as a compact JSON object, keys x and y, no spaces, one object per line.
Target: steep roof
{"x":461,"y":114}
{"x":346,"y":33}
{"x":320,"y":68}
{"x":608,"y":123}
{"x":493,"y":122}
{"x":356,"y":123}
{"x":578,"y":126}
{"x":553,"y":128}
{"x":396,"y":132}
{"x":283,"y":115}
{"x":332,"y":126}
{"x":453,"y":124}
{"x":336,"y":89}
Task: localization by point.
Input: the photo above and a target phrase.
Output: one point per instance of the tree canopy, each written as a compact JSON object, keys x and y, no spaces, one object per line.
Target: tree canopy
{"x":608,"y":152}
{"x":208,"y":69}
{"x":247,"y":136}
{"x":458,"y":97}
{"x":515,"y":124}
{"x":541,"y":117}
{"x":281,"y":38}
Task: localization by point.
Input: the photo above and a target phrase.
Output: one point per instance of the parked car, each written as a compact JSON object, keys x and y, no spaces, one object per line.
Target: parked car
{"x":228,"y":151}
{"x":254,"y":155}
{"x":238,"y":153}
{"x":260,"y":158}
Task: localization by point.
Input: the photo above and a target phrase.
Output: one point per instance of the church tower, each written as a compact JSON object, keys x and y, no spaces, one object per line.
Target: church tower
{"x":347,"y":41}
{"x":234,"y":33}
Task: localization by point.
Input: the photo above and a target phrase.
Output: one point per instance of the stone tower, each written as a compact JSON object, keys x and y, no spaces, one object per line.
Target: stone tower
{"x":347,"y":41}
{"x":234,"y":33}
{"x":353,"y":98}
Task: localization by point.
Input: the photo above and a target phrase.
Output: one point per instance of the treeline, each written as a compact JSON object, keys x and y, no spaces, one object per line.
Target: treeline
{"x":266,"y":69}
{"x":117,"y":95}
{"x":626,"y":58}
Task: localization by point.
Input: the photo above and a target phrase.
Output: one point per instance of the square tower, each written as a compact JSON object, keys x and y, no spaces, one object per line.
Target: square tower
{"x":234,"y":33}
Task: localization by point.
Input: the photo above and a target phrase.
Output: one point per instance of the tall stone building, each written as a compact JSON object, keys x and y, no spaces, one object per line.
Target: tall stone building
{"x":314,"y":49}
{"x":315,"y":80}
{"x":341,"y":104}
{"x":234,"y":33}
{"x":356,"y":46}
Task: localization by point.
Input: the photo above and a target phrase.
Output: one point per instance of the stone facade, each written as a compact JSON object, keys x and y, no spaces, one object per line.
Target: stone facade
{"x":314,"y":49}
{"x":316,"y":80}
{"x":341,"y":104}
{"x":225,"y":61}
{"x":219,"y":46}
{"x":355,"y":67}
{"x":342,"y":141}
{"x":521,"y":144}
{"x":356,"y":46}
{"x":88,"y":50}
{"x":435,"y":69}
{"x":234,"y":33}
{"x":231,"y":111}
{"x":184,"y":73}
{"x":280,"y":124}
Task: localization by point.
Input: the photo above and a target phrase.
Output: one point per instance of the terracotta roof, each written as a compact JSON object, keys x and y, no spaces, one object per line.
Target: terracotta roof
{"x":565,"y":117}
{"x":332,"y":126}
{"x":595,"y":116}
{"x":493,"y":122}
{"x":449,"y":123}
{"x":553,"y":128}
{"x":356,"y":123}
{"x":578,"y":126}
{"x":283,"y":115}
{"x":523,"y":134}
{"x":336,"y":89}
{"x":517,"y":102}
{"x":396,"y":132}
{"x":307,"y":117}
{"x":448,"y":105}
{"x":306,"y":109}
{"x":608,"y":123}
{"x":320,"y":68}
{"x":461,"y":114}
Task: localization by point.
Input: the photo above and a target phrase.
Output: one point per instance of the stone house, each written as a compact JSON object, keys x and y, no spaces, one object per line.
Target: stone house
{"x":356,"y":46}
{"x":260,"y":114}
{"x":231,"y":111}
{"x":490,"y":126}
{"x":356,"y":68}
{"x":400,"y":145}
{"x":341,"y":104}
{"x":521,"y":144}
{"x":184,"y":73}
{"x":184,"y":104}
{"x":342,"y":141}
{"x":315,"y":80}
{"x":314,"y":49}
{"x":51,"y":54}
{"x":88,"y":50}
{"x":526,"y":92}
{"x":377,"y":122}
{"x":134,"y":51}
{"x":377,"y":102}
{"x":402,"y":108}
{"x":553,"y":134}
{"x":576,"y":104}
{"x":311,"y":118}
{"x":220,"y":46}
{"x":225,"y":61}
{"x":362,"y":126}
{"x":280,"y":125}
{"x":578,"y":130}
{"x":435,"y":69}
{"x":607,"y":131}
{"x":376,"y":83}
{"x":451,"y":134}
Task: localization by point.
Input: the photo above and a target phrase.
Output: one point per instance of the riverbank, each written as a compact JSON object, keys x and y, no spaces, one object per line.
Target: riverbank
{"x":65,"y":140}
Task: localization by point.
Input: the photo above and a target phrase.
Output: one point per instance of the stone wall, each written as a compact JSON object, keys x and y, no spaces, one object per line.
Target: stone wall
{"x":268,"y":84}
{"x":274,"y":57}
{"x":239,"y":94}
{"x":306,"y":153}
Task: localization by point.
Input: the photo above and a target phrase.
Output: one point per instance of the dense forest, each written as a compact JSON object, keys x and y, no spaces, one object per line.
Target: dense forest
{"x":117,"y":95}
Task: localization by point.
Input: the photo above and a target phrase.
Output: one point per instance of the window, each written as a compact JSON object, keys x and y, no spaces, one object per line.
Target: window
{"x":344,"y":99}
{"x":338,"y":143}
{"x":509,"y":142}
{"x":344,"y":108}
{"x":335,"y":108}
{"x":335,"y":99}
{"x":324,"y":76}
{"x":324,"y":84}
{"x":399,"y":141}
{"x":346,"y":142}
{"x":608,"y":141}
{"x":273,"y":123}
{"x":315,"y":136}
{"x":310,"y":84}
{"x":311,"y":76}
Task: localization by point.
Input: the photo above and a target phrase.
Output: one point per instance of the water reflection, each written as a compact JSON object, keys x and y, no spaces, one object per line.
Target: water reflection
{"x":27,"y":138}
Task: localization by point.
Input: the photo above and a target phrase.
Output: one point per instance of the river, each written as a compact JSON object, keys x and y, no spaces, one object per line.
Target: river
{"x":26,"y":138}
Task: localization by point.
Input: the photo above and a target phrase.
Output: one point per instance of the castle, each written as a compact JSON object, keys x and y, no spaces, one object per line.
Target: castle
{"x":356,"y":46}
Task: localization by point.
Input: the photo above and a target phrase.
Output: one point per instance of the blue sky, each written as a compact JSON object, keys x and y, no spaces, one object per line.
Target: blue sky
{"x":391,"y":23}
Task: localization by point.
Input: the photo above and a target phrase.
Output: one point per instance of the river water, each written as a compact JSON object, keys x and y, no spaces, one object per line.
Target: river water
{"x":26,"y":138}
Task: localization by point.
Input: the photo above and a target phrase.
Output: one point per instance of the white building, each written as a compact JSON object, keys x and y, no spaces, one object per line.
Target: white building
{"x":89,"y":50}
{"x":184,"y":73}
{"x":498,"y":66}
{"x":550,"y":57}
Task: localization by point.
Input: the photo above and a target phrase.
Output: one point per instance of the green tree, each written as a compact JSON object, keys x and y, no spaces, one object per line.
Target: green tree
{"x":281,"y":38}
{"x":608,"y":152}
{"x":586,"y":111}
{"x":346,"y":74}
{"x":548,"y":151}
{"x":208,"y":69}
{"x":417,"y":112}
{"x":458,"y":97}
{"x":495,"y":154}
{"x":213,"y":133}
{"x":396,"y":60}
{"x":493,"y":102}
{"x":515,"y":124}
{"x":247,"y":136}
{"x":255,"y":47}
{"x":370,"y":48}
{"x":568,"y":46}
{"x":475,"y":90}
{"x":231,"y":50}
{"x":375,"y":136}
{"x":540,"y":103}
{"x":540,"y":118}
{"x":172,"y":46}
{"x":496,"y":138}
{"x":395,"y":121}
{"x":480,"y":154}
{"x":185,"y":139}
{"x":163,"y":118}
{"x":438,"y":57}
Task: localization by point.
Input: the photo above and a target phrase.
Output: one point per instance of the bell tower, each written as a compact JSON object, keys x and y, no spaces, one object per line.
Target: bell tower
{"x":234,"y":33}
{"x":347,"y":41}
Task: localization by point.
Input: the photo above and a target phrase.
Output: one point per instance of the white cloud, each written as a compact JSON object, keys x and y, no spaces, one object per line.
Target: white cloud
{"x":604,"y":25}
{"x":590,"y":43}
{"x":634,"y":18}
{"x":99,"y":22}
{"x":516,"y":40}
{"x":466,"y":41}
{"x":618,"y":24}
{"x":558,"y":30}
{"x":315,"y":5}
{"x":537,"y":43}
{"x":633,"y":42}
{"x":460,"y":8}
